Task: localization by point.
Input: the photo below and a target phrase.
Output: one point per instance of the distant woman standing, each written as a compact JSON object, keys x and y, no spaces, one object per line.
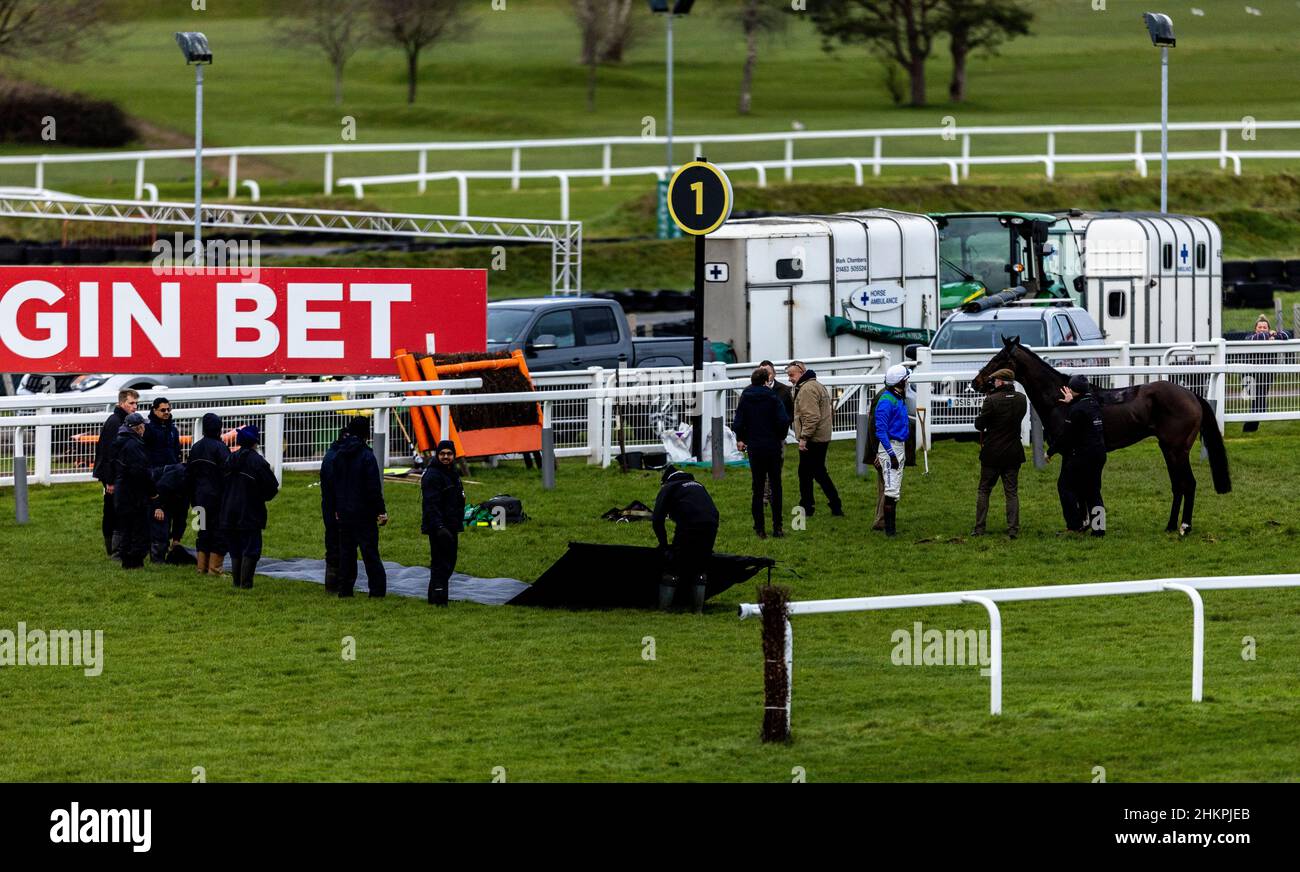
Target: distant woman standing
{"x":442,"y":518}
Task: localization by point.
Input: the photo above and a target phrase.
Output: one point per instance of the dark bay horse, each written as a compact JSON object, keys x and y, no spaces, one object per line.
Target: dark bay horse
{"x":1167,"y":411}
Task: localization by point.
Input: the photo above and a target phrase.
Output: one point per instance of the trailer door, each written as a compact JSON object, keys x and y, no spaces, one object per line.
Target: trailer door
{"x":1116,"y":310}
{"x":769,"y":324}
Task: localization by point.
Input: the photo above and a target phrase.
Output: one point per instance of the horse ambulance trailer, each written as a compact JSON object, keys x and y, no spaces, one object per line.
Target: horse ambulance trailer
{"x":1146,"y":277}
{"x":822,"y":285}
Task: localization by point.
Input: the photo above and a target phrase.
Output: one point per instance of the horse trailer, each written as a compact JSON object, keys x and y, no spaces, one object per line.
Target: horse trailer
{"x":1144,"y":277}
{"x":822,"y":285}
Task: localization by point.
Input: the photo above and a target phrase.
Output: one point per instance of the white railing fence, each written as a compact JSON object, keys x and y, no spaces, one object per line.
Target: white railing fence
{"x":587,"y":409}
{"x":1236,"y":140}
{"x":989,"y":599}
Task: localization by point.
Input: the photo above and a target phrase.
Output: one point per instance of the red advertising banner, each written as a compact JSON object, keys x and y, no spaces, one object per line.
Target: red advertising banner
{"x":288,"y":320}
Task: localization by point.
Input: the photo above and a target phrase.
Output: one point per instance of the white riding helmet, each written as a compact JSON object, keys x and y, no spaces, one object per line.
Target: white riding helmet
{"x":896,"y":374}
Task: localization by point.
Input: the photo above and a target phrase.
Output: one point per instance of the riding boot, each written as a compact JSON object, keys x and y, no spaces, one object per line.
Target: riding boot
{"x":201,"y":566}
{"x":215,"y":561}
{"x":115,"y":550}
{"x":891,"y":517}
{"x":236,"y":568}
{"x":108,"y":545}
{"x":246,"y":572}
{"x":438,"y":593}
{"x":332,"y":579}
{"x":667,"y":591}
{"x":700,"y":593}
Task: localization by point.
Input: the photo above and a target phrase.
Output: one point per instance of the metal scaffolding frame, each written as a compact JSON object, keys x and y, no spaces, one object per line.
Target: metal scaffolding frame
{"x":564,"y":237}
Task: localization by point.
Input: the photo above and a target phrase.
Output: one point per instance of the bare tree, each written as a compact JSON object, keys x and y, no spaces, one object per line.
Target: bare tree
{"x":903,"y":30}
{"x":29,"y":26}
{"x":606,"y":30}
{"x":336,"y":27}
{"x":621,"y":31}
{"x":414,"y":25}
{"x":975,"y":25}
{"x":755,"y":18}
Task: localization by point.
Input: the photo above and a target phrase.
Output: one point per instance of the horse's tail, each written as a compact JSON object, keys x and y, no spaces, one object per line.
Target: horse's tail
{"x":1213,"y":441}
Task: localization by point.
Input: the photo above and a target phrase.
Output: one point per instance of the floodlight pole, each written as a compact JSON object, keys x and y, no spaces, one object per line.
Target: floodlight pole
{"x":669,"y":16}
{"x":1164,"y":129}
{"x":198,"y":164}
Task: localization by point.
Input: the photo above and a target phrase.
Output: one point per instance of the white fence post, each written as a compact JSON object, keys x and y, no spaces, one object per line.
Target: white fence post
{"x":232,"y":177}
{"x":606,"y":161}
{"x":273,"y":439}
{"x":329,"y":172}
{"x":139,"y":179}
{"x":1138,"y":155}
{"x":1125,"y":359}
{"x":995,"y":651}
{"x":789,"y":159}
{"x":462,"y":186}
{"x":1198,"y":637}
{"x":1051,"y":155}
{"x":924,"y":390}
{"x":965,"y":155}
{"x":877,"y":147}
{"x":44,"y":450}
{"x":515,"y":161}
{"x":595,"y":419}
{"x":422,"y":168}
{"x":1220,"y":382}
{"x":1223,"y":149}
{"x":382,"y":417}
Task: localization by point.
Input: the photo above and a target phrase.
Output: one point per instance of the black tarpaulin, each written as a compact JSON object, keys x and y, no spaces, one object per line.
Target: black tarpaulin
{"x":591,"y":576}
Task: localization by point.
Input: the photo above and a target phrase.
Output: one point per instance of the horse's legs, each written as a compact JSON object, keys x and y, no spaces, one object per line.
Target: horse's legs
{"x":1189,"y":493}
{"x":1175,"y":483}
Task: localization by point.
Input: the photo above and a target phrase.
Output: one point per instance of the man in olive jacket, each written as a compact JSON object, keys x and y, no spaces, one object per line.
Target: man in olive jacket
{"x":812,"y":426}
{"x":1001,"y":452}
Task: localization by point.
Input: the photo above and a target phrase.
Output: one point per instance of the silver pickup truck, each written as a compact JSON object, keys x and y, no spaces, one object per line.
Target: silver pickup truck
{"x":557,"y":333}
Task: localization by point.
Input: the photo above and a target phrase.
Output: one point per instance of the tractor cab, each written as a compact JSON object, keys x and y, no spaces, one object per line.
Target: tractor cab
{"x":982,"y":253}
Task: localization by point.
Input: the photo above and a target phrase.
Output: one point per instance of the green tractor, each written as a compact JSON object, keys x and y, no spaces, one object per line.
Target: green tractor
{"x":985,"y":252}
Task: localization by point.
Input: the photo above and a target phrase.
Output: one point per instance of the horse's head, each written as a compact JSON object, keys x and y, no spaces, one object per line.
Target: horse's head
{"x":1004,"y":359}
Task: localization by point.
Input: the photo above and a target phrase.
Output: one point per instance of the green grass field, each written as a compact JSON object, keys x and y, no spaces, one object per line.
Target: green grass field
{"x":252,"y":685}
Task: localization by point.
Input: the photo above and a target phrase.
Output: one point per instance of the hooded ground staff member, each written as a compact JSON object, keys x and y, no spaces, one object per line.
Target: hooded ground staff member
{"x":249,"y":485}
{"x":327,"y":514}
{"x":891,"y":439}
{"x":442,"y":500}
{"x":104,"y":471}
{"x":686,"y":501}
{"x":1083,"y":446}
{"x":812,"y":426}
{"x":133,"y":491}
{"x":162,"y":441}
{"x":357,"y":491}
{"x":761,"y":423}
{"x":1001,"y":452}
{"x":206,"y":469}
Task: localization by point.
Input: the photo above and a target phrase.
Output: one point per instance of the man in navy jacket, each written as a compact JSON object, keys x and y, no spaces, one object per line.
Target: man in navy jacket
{"x":162,"y":442}
{"x":357,"y":492}
{"x":761,"y":422}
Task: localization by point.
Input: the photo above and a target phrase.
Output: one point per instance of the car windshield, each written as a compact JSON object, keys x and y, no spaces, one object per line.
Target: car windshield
{"x":987,"y":334}
{"x":505,"y":325}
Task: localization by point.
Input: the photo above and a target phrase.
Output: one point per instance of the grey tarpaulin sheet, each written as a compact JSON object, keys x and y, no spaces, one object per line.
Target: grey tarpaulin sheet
{"x":402,"y":580}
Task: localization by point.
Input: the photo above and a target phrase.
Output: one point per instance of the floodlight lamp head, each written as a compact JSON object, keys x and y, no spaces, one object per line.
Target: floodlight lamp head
{"x":1161,"y":28}
{"x":194,"y":46}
